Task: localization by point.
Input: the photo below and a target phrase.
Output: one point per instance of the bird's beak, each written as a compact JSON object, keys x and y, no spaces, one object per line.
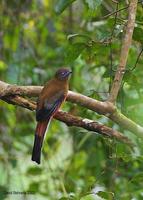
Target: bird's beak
{"x":68,"y":73}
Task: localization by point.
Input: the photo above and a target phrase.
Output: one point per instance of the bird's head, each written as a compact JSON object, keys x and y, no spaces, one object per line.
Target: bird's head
{"x":63,"y":74}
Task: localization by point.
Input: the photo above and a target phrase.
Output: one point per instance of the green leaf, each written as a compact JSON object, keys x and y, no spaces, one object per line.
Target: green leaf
{"x":106,"y":195}
{"x":73,"y":51}
{"x":70,"y":197}
{"x":93,"y":4}
{"x":62,"y":5}
{"x":137,"y":178}
{"x":138,"y":34}
{"x":88,"y":197}
{"x":13,"y":162}
{"x":34,"y":187}
{"x":34,"y":171}
{"x":3,"y":192}
{"x":131,"y":78}
{"x":123,"y":152}
{"x":3,"y":65}
{"x":78,"y":38}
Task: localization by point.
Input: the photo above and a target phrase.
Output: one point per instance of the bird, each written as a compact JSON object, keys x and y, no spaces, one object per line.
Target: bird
{"x":49,"y":101}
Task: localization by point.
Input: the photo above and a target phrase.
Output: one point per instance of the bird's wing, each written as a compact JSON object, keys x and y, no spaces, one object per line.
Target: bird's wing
{"x":49,"y":107}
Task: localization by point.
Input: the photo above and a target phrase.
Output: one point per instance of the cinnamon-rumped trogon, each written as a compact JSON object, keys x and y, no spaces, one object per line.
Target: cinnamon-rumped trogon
{"x":50,"y":99}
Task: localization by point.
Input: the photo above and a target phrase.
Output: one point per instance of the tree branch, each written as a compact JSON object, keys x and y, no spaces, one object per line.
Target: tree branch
{"x":105,"y":108}
{"x":33,"y":91}
{"x":114,"y":12}
{"x":69,"y":119}
{"x":127,"y":40}
{"x":90,"y":125}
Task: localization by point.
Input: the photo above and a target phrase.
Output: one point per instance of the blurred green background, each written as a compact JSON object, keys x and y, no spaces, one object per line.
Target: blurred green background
{"x":36,"y":38}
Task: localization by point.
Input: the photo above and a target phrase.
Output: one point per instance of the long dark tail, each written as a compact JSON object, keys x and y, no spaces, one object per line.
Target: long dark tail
{"x":38,"y":141}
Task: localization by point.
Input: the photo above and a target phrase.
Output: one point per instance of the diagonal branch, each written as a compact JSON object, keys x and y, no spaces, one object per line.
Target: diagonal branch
{"x":90,"y":125}
{"x":69,"y":119}
{"x":114,"y":12}
{"x":127,"y":40}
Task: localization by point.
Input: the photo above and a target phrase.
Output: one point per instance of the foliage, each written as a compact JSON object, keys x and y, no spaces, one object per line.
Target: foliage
{"x":36,"y":38}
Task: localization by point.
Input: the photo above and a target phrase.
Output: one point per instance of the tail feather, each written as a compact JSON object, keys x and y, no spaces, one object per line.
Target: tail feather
{"x":36,"y":154}
{"x":38,"y":141}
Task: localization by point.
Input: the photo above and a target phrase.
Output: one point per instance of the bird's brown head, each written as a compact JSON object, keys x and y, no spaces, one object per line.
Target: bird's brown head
{"x":63,"y":74}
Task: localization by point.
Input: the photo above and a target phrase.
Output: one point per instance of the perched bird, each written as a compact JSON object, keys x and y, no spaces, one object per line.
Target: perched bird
{"x":50,"y":99}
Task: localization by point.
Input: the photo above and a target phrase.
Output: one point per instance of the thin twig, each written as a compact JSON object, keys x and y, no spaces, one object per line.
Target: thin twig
{"x":116,"y":11}
{"x":137,"y":60}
